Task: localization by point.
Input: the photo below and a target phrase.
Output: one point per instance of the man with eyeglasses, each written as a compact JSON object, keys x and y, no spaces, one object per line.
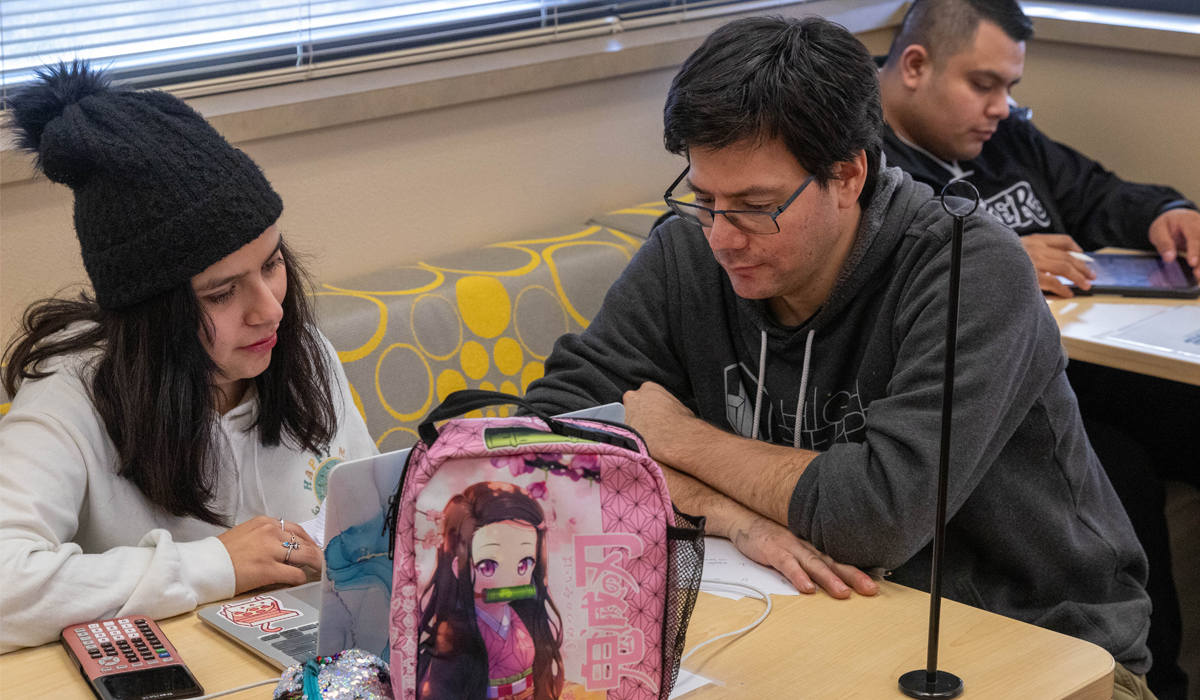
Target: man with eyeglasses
{"x":779,"y":345}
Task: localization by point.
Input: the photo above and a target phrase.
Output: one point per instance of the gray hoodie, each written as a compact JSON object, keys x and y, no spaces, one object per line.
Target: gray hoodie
{"x":1035,"y":529}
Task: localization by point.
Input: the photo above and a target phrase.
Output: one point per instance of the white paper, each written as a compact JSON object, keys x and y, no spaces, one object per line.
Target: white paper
{"x":316,"y":528}
{"x":1176,"y":331}
{"x":687,"y":682}
{"x":723,"y":563}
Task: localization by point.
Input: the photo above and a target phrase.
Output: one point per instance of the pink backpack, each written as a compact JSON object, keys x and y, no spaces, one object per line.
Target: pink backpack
{"x":537,"y":559}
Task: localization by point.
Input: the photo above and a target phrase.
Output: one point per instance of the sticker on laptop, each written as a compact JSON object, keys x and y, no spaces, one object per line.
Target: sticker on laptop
{"x":259,"y":611}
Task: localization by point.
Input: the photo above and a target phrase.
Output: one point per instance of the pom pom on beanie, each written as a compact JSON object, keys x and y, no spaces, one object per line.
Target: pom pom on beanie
{"x":159,"y":194}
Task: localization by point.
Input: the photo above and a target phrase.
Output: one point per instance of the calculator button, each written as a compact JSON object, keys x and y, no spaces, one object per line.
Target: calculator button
{"x":124,"y":619}
{"x":164,"y":655}
{"x":81,"y":632}
{"x":120,"y":666}
{"x":94,"y":625}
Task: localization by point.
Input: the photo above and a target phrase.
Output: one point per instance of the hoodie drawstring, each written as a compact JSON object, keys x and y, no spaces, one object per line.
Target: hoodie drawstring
{"x":758,"y":392}
{"x":803,"y":391}
{"x":762,"y":375}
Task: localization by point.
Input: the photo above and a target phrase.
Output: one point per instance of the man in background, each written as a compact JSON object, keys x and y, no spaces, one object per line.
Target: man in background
{"x":945,"y":88}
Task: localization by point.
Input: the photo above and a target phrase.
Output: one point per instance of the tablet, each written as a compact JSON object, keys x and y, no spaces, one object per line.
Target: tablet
{"x":1140,"y":275}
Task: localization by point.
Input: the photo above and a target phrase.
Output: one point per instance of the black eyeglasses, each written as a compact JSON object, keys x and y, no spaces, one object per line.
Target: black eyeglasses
{"x":762,"y":223}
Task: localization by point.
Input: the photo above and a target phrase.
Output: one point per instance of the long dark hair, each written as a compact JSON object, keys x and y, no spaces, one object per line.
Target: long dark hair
{"x":153,"y":385}
{"x":448,"y":627}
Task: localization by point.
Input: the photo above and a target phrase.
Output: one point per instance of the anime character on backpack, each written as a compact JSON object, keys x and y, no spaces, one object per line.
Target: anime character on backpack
{"x":489,"y":627}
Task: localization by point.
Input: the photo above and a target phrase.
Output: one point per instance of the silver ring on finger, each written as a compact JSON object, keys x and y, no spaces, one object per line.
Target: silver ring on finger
{"x":290,"y":547}
{"x":281,"y":527}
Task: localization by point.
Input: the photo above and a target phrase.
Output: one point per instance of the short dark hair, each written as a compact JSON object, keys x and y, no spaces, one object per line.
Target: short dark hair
{"x":945,"y":27}
{"x":807,"y":82}
{"x":153,"y":385}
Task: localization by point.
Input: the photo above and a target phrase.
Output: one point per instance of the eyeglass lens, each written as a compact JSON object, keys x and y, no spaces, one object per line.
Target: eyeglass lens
{"x":750,"y":222}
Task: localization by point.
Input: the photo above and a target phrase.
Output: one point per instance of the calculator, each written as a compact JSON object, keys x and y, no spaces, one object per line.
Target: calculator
{"x":129,"y":658}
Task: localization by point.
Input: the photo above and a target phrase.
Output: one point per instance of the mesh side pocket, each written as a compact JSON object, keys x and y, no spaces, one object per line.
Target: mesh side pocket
{"x":685,"y":563}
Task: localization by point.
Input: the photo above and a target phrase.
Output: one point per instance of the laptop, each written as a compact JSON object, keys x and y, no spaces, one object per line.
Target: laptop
{"x":350,"y":606}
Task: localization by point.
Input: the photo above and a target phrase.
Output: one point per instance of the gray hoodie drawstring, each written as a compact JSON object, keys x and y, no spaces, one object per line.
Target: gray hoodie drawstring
{"x":803,"y":390}
{"x":762,"y":375}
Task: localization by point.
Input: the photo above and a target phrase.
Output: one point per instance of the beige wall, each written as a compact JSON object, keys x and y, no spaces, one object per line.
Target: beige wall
{"x":1137,"y":113}
{"x":395,"y":190}
{"x":390,"y":191}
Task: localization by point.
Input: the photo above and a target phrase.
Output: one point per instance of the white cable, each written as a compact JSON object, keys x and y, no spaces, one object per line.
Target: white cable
{"x":743,"y":630}
{"x":231,"y":691}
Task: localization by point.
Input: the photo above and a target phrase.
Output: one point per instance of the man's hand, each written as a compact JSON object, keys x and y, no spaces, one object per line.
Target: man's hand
{"x":771,"y":544}
{"x":1176,"y":234}
{"x":1051,"y":257}
{"x":653,"y":412}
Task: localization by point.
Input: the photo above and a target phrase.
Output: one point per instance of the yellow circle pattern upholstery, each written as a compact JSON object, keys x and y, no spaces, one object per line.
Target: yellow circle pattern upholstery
{"x":486,"y":318}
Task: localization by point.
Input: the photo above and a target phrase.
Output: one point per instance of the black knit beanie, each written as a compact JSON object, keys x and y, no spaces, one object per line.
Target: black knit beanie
{"x":159,"y":194}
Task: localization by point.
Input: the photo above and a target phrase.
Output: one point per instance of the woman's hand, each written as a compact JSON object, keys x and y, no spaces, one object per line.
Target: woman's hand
{"x":256,"y":548}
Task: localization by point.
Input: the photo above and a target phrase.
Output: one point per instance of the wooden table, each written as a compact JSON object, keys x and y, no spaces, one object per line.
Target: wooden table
{"x":1084,"y":321}
{"x":818,"y":648}
{"x":812,"y":647}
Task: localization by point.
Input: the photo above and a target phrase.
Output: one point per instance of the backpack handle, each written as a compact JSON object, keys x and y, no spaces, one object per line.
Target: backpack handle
{"x":465,"y":400}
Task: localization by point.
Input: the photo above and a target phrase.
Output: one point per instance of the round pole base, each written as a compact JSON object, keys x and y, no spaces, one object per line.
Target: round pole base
{"x":915,"y":684}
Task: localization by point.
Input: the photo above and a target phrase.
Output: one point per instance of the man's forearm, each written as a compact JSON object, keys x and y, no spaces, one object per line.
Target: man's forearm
{"x":756,"y":474}
{"x":694,"y":497}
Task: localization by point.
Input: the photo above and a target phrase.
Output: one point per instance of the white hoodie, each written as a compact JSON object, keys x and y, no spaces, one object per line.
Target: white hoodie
{"x":79,"y":543}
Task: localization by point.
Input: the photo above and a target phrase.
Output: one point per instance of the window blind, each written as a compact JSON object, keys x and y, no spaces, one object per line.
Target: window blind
{"x":147,"y":43}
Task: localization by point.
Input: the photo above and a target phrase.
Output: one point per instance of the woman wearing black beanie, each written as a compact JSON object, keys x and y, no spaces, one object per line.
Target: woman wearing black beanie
{"x":166,"y":430}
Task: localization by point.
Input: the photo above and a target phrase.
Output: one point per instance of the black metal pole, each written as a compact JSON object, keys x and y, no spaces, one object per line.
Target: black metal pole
{"x":932,"y":683}
{"x":939,"y":533}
